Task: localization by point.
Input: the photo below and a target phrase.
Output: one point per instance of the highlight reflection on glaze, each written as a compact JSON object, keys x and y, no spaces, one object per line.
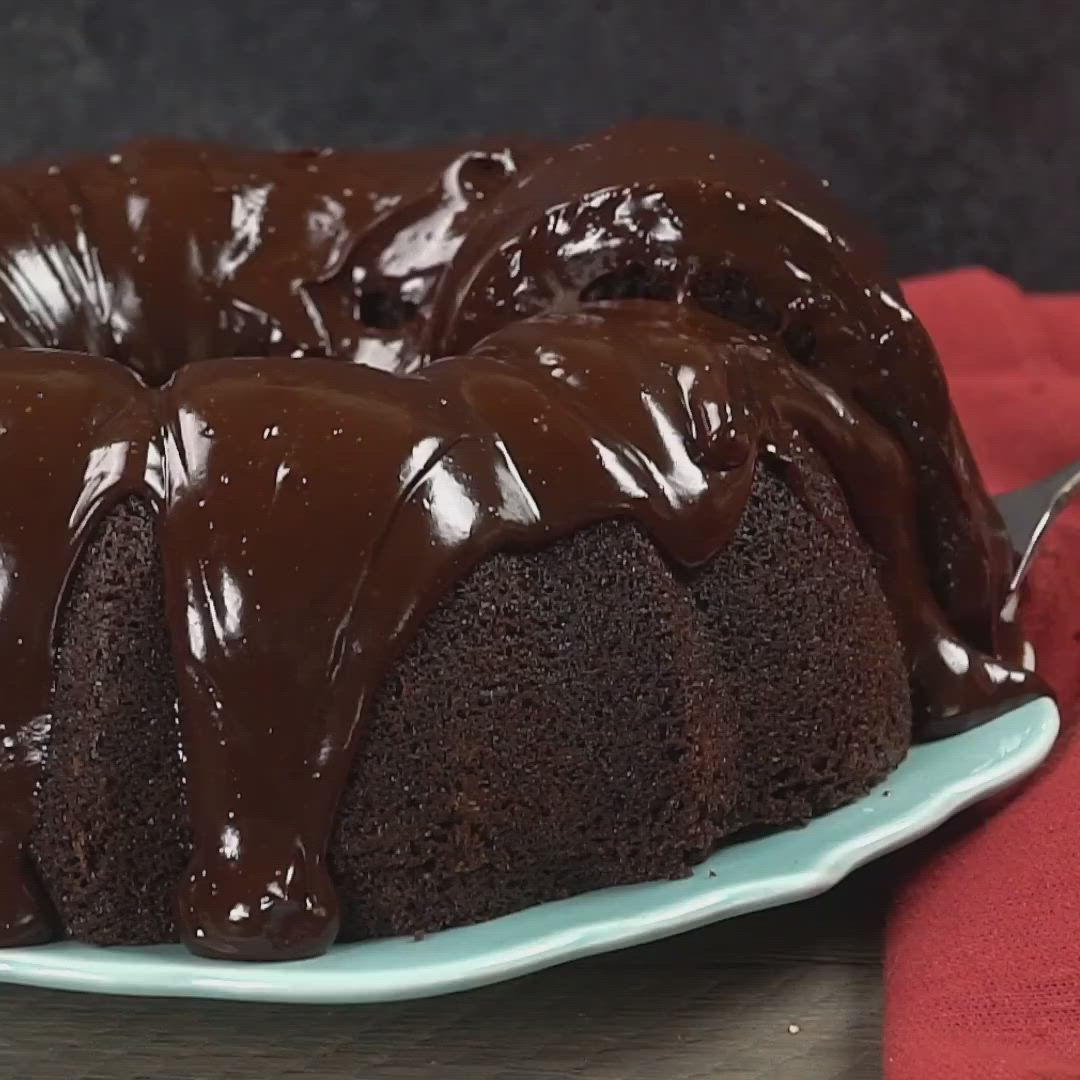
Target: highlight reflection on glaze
{"x":637,"y":322}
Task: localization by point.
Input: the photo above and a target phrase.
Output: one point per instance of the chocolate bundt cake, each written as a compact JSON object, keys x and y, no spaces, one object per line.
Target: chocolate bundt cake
{"x":392,"y":540}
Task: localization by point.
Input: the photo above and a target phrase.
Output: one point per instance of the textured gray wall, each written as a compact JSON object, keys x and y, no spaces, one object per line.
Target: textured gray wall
{"x":953,"y":125}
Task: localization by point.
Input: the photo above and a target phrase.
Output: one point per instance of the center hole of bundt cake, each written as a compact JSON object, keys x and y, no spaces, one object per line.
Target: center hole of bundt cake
{"x":381,"y":309}
{"x":632,"y":282}
{"x":725,"y":292}
{"x":732,"y":295}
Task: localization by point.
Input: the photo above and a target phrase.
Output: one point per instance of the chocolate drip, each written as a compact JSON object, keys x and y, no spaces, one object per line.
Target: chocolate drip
{"x":312,"y":512}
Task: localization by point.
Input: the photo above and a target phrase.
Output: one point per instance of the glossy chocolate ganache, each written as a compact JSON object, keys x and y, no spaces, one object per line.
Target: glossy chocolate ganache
{"x":344,"y":380}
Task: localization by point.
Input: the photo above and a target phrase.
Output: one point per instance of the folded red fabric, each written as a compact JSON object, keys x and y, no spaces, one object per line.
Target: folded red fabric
{"x":982,"y":967}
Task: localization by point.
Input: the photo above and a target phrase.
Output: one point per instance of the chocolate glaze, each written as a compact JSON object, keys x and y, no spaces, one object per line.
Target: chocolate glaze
{"x":694,"y":207}
{"x":312,"y":511}
{"x":169,"y":252}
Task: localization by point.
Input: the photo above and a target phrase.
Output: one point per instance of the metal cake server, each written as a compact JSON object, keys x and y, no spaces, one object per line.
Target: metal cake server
{"x":1029,"y":512}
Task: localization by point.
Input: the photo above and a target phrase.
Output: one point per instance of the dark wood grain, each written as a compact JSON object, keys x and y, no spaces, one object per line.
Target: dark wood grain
{"x":714,"y":1003}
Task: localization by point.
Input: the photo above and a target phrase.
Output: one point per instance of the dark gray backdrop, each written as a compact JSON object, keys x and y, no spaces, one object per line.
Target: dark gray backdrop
{"x":953,"y":123}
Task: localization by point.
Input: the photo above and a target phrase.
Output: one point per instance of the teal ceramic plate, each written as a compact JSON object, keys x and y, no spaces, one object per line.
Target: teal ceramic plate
{"x":935,"y":781}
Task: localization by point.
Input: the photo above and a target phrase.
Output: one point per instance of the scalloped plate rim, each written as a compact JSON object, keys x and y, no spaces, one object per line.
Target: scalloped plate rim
{"x":934,"y":782}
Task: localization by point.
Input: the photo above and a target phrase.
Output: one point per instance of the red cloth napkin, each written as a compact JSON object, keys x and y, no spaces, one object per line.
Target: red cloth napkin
{"x":982,"y":966}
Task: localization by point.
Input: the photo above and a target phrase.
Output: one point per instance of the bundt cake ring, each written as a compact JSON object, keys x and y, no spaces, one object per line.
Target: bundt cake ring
{"x":389,"y":541}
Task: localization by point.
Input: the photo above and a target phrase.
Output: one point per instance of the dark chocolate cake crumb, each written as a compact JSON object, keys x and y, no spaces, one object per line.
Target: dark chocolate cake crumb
{"x":111,"y":834}
{"x":614,"y":723}
{"x":586,"y":744}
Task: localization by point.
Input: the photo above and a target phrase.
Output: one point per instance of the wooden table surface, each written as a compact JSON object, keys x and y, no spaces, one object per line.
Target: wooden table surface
{"x":788,"y":994}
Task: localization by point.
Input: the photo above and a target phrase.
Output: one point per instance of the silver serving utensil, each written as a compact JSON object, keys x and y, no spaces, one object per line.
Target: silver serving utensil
{"x":1029,"y":512}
